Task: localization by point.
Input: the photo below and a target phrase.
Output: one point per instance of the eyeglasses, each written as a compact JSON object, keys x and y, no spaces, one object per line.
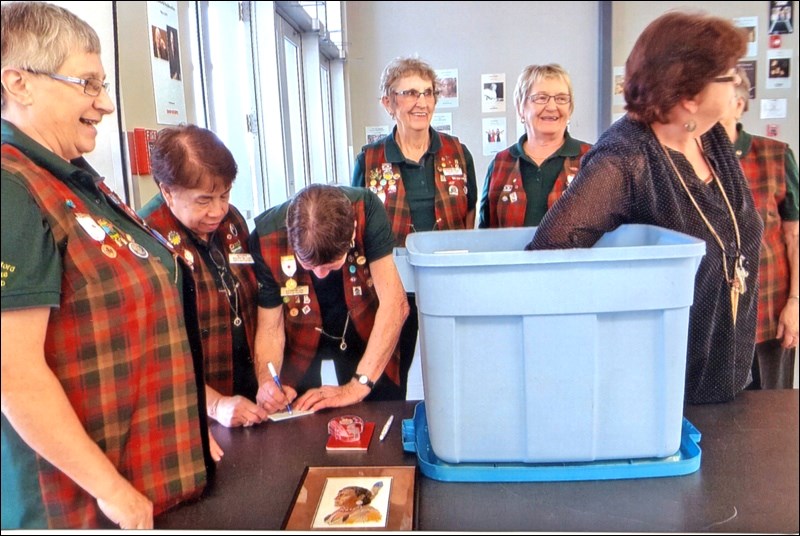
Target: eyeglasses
{"x":229,"y":282}
{"x":544,"y":98}
{"x":413,"y":94}
{"x":735,"y":78}
{"x":91,"y":86}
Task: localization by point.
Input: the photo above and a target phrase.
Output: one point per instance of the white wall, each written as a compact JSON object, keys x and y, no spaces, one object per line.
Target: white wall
{"x":475,"y":38}
{"x":107,"y":156}
{"x":630,"y":18}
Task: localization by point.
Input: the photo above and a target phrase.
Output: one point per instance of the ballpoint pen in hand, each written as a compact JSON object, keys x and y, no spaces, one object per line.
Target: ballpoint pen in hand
{"x":278,"y":383}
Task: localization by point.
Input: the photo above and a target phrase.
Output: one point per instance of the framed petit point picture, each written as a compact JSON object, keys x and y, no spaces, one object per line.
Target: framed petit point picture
{"x":354,"y":498}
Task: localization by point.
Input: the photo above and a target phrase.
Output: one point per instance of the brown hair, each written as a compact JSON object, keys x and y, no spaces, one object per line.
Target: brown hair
{"x":39,"y":36}
{"x":402,"y":67}
{"x":319,"y":224}
{"x":675,"y":57}
{"x":188,"y":156}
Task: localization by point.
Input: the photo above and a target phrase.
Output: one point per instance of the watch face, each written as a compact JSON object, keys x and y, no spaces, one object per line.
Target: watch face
{"x":363,"y":379}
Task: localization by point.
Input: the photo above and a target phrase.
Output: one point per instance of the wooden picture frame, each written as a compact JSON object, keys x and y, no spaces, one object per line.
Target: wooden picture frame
{"x":354,"y":498}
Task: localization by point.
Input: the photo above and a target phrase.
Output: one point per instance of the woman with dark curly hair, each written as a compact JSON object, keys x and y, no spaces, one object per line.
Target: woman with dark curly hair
{"x":669,"y":163}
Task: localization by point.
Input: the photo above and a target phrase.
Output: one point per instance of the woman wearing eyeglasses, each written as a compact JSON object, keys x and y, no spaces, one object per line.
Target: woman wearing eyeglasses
{"x":669,"y":163}
{"x":425,"y":179}
{"x":102,"y":417}
{"x":525,"y":180}
{"x":194,"y":172}
{"x":771,"y":171}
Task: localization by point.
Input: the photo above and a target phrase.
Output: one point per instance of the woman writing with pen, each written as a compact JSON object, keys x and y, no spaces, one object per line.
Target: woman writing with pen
{"x":328,"y":289}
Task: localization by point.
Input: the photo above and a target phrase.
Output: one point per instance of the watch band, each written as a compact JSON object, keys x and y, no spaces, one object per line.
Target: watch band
{"x":363,"y":379}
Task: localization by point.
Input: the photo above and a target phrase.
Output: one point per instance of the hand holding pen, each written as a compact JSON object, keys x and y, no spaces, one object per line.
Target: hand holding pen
{"x":271,"y":399}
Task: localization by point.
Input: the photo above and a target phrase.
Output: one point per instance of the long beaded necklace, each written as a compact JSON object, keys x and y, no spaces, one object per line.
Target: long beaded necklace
{"x":738,"y":281}
{"x":343,"y":345}
{"x":231,"y":288}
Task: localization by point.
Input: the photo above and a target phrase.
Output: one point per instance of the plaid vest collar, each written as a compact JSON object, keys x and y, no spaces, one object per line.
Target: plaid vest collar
{"x":301,"y":310}
{"x":450,"y":179}
{"x":763,"y":166}
{"x":507,"y":198}
{"x":120,"y":397}
{"x":213,"y":307}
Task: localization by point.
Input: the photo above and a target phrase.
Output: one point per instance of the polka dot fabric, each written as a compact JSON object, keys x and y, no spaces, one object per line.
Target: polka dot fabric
{"x":626,"y":178}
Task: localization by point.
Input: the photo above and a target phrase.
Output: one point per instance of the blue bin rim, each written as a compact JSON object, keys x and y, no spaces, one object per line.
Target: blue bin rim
{"x":680,"y":245}
{"x":415,"y":439}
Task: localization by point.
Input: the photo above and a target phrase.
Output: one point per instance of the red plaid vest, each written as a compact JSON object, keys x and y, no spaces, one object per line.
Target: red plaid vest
{"x":505,"y":210}
{"x":764,"y":167}
{"x":213,"y":309}
{"x":123,"y":359}
{"x":450,"y":202}
{"x":301,"y":312}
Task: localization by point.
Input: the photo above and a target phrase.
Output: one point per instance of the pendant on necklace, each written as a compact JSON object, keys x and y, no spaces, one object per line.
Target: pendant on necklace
{"x":237,"y":321}
{"x":738,"y":285}
{"x":343,"y":346}
{"x":741,"y":274}
{"x":734,"y":301}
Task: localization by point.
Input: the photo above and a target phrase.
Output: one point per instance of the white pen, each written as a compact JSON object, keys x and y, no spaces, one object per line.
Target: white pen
{"x":386,"y":427}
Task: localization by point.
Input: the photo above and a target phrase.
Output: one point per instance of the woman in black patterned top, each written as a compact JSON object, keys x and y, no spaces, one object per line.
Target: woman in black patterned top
{"x":669,"y":163}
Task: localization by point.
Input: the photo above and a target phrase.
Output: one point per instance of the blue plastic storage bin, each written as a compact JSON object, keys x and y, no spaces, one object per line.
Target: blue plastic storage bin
{"x":552,"y":356}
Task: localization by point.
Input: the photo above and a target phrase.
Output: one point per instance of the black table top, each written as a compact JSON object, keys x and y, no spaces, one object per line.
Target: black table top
{"x":747,"y":481}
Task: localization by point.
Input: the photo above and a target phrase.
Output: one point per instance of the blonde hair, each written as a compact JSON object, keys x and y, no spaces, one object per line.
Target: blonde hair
{"x":39,"y":37}
{"x":533,"y":74}
{"x":743,"y":89}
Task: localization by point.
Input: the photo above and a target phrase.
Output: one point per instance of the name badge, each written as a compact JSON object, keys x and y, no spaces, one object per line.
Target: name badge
{"x":301,"y":290}
{"x":452,"y":171}
{"x":240,"y":258}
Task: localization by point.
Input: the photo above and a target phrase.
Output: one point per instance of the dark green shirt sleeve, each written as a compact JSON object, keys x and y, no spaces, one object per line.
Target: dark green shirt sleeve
{"x":359,"y":180}
{"x":789,"y":209}
{"x":269,"y":292}
{"x":378,"y":236}
{"x":31,"y":264}
{"x":484,"y":215}
{"x":472,"y":181}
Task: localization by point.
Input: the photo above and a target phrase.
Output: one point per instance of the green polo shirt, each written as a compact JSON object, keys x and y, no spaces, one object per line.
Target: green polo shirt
{"x":537,"y":180}
{"x":788,"y":209}
{"x":31,"y":277}
{"x":31,"y":261}
{"x":418,"y":179}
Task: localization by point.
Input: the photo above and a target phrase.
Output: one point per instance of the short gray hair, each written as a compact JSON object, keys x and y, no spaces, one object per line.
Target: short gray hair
{"x":39,"y":37}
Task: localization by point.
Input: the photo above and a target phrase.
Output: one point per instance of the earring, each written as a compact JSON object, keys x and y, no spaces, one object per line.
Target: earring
{"x":352,"y":244}
{"x":690,"y":125}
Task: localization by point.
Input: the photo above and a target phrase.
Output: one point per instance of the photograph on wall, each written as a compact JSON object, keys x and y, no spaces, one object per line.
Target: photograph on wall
{"x":173,"y":53}
{"x":167,"y":86}
{"x":749,"y":67}
{"x":750,"y":24}
{"x":778,"y":68}
{"x":492,"y":91}
{"x":618,"y":98}
{"x":494,"y":135}
{"x":373,"y":134}
{"x":443,"y":122}
{"x":781,"y":17}
{"x":448,"y":88}
{"x":773,"y":109}
{"x":352,"y":498}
